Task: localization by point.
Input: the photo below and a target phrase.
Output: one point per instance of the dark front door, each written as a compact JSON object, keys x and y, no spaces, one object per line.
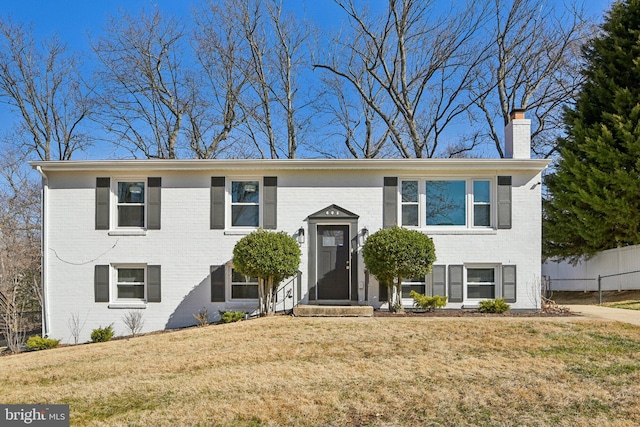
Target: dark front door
{"x":333,"y":262}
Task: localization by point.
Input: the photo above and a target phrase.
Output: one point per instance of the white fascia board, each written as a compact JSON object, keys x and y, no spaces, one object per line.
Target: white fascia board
{"x":430,"y":165}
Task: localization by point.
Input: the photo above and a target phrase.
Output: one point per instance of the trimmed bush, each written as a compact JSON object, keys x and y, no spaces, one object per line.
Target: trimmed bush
{"x":428,"y":303}
{"x":393,"y":253}
{"x":102,"y":334}
{"x":231,"y":316}
{"x":41,"y":343}
{"x":493,"y":306}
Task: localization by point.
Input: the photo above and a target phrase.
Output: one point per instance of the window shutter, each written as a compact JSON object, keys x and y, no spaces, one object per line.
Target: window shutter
{"x":101,"y":283}
{"x":509,"y":283}
{"x":439,"y":285}
{"x":154,"y":191}
{"x":153,"y":283}
{"x":383,"y":292}
{"x":103,"y":195}
{"x":390,"y":202}
{"x":270,"y":203}
{"x":217,"y":202}
{"x":455,"y":283}
{"x":504,"y":202}
{"x":217,"y":283}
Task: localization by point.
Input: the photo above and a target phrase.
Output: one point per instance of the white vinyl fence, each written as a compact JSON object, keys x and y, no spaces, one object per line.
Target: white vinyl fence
{"x":618,"y":268}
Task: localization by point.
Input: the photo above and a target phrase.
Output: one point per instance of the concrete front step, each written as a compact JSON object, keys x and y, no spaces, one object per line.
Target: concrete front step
{"x":333,"y":311}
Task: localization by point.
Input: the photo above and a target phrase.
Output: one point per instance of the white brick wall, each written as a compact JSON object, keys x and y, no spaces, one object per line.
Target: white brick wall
{"x":185,"y":247}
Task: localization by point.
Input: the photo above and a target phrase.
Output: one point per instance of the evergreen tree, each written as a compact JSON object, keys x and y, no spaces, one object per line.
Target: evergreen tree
{"x":594,"y":194}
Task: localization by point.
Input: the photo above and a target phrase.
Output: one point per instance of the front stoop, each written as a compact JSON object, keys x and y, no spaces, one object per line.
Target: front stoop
{"x":333,"y":311}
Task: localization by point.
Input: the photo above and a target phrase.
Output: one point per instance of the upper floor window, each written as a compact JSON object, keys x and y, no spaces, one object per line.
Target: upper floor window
{"x":481,"y":203}
{"x":131,"y":203}
{"x":446,"y":203}
{"x":245,"y":203}
{"x":410,"y":204}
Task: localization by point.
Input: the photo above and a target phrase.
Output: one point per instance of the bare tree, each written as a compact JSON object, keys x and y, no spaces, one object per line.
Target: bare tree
{"x":145,"y":89}
{"x":423,"y":60}
{"x":352,"y":121}
{"x":278,"y":55}
{"x":223,"y":55}
{"x":533,"y":64}
{"x":42,"y":83}
{"x":20,"y":293}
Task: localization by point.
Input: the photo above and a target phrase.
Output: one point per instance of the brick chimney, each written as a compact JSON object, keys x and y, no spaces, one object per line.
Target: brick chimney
{"x":517,"y":136}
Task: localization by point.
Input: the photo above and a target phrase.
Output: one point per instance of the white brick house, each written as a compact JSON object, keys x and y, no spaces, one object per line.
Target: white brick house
{"x":158,"y":235}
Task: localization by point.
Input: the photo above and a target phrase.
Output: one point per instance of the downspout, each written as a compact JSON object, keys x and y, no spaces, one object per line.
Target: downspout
{"x":44,"y":241}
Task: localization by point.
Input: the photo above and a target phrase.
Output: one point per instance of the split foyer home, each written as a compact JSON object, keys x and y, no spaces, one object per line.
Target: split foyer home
{"x":158,"y":235}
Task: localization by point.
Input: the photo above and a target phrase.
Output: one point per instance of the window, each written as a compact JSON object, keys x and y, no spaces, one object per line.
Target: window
{"x":481,"y":203}
{"x":130,"y":283}
{"x":446,"y":203}
{"x":243,"y":287}
{"x":481,"y":283}
{"x":131,"y":203}
{"x":245,"y":203}
{"x":410,"y":204}
{"x":415,"y":284}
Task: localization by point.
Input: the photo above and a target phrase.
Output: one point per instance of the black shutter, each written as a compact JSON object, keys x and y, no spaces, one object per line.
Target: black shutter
{"x":504,"y":202}
{"x":509,"y":283}
{"x":456,"y":285}
{"x":217,"y":283}
{"x":153,"y":283}
{"x":383,"y":293}
{"x":217,"y":202}
{"x":270,"y":203}
{"x":390,"y":202}
{"x":438,"y":280}
{"x":154,"y":192}
{"x":103,"y":195}
{"x":101,"y":283}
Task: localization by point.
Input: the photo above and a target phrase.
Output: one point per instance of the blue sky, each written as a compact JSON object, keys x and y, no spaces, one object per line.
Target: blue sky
{"x":72,"y":19}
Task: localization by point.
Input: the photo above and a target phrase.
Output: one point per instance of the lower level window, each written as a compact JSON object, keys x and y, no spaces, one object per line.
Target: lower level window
{"x":415,"y":284}
{"x":243,"y":287}
{"x":130,"y":283}
{"x":481,"y":283}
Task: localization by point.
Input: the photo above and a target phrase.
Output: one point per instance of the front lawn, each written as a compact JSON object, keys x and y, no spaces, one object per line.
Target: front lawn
{"x":384,"y":371}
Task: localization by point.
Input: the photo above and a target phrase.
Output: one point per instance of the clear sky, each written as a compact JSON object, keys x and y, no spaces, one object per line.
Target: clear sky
{"x":72,"y":19}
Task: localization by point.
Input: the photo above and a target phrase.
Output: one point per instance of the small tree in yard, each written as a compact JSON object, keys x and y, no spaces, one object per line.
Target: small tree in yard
{"x":269,"y":256}
{"x":393,"y":253}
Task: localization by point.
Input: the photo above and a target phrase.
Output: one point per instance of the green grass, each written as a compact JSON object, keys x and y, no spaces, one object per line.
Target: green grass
{"x":629,"y":305}
{"x":386,"y":371}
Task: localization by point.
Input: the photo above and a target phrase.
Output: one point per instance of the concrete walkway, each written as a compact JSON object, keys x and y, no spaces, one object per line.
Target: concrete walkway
{"x":615,"y":314}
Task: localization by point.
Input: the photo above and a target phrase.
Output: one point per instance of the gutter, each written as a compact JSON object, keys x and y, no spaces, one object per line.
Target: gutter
{"x":44,"y":241}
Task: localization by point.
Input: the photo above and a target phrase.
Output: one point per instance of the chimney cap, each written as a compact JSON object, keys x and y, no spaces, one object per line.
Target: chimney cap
{"x":517,"y":113}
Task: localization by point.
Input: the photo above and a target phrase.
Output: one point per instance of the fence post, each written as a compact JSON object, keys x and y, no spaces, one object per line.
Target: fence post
{"x":599,"y":290}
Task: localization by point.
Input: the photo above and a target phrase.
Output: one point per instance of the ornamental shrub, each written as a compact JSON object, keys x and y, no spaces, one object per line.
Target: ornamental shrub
{"x":41,"y":343}
{"x":428,"y":303}
{"x":102,"y":334}
{"x":393,"y":253}
{"x":493,"y":306}
{"x":231,"y":316}
{"x":269,"y":256}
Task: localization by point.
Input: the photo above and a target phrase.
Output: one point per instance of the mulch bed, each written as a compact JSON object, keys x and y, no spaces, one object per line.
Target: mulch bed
{"x":472,"y":313}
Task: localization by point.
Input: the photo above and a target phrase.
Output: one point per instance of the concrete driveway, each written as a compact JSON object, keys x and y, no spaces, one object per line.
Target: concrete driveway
{"x":615,"y":314}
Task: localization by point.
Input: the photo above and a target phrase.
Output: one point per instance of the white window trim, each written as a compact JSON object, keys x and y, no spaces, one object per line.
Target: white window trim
{"x":229,"y":204}
{"x":497,"y":271}
{"x":114,"y":301}
{"x":114,"y":227}
{"x":402,"y":204}
{"x":469,"y":204}
{"x":229,"y":288}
